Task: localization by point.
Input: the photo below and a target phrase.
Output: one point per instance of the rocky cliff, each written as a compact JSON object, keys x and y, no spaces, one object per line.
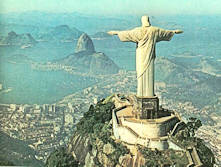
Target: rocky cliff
{"x":92,"y":144}
{"x":85,"y":44}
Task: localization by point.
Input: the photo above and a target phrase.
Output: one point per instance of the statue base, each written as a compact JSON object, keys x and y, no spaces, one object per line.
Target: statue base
{"x":139,"y":120}
{"x":147,"y":108}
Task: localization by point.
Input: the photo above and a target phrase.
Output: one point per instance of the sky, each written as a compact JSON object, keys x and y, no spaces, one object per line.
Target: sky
{"x":156,"y":7}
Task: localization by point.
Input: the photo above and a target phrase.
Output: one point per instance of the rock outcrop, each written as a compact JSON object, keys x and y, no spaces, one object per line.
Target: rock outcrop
{"x":92,"y":145}
{"x":87,"y":60}
{"x":97,"y":153}
{"x":85,"y":44}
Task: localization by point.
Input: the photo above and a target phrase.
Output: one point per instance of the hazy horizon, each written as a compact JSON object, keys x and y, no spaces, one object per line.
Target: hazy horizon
{"x":114,"y":7}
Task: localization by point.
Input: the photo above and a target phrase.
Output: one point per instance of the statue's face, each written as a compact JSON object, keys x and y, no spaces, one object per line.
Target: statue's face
{"x":145,"y":21}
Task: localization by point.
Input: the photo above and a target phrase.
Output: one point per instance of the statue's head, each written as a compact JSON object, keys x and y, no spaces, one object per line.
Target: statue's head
{"x":145,"y":21}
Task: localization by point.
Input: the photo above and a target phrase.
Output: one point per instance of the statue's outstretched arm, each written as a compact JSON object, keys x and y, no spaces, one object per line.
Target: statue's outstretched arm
{"x":127,"y":35}
{"x":177,"y":31}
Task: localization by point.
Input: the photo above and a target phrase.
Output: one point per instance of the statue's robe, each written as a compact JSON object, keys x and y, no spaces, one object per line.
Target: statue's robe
{"x":146,"y":38}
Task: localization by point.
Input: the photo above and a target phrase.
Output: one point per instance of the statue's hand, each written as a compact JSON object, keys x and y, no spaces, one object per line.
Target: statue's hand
{"x":178,"y":31}
{"x":112,"y":32}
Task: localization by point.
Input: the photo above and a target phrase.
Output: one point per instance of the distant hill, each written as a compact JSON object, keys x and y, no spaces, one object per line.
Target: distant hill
{"x":198,"y":63}
{"x":184,"y":82}
{"x":61,"y":33}
{"x":209,"y":66}
{"x":101,"y":35}
{"x":16,"y":152}
{"x":85,"y":22}
{"x":17,"y":39}
{"x":20,"y":29}
{"x":174,"y":72}
{"x":87,"y":60}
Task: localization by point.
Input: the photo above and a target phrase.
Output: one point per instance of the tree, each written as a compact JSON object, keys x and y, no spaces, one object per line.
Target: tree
{"x":60,"y":158}
{"x":193,"y":125}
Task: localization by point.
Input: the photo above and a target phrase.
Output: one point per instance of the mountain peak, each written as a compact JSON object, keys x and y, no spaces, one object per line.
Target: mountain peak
{"x":12,"y":34}
{"x":62,"y":27}
{"x":85,"y":44}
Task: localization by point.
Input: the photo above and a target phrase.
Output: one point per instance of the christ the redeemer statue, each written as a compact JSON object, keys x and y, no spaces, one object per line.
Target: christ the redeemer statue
{"x":146,"y":38}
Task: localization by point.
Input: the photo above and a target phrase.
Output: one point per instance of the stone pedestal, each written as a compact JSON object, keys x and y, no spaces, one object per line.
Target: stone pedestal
{"x":147,"y":108}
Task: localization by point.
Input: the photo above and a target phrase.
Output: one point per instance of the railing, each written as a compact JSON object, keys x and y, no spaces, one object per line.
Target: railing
{"x":193,"y":158}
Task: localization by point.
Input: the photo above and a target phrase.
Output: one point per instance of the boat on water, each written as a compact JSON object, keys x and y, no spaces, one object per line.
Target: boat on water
{"x":26,"y":46}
